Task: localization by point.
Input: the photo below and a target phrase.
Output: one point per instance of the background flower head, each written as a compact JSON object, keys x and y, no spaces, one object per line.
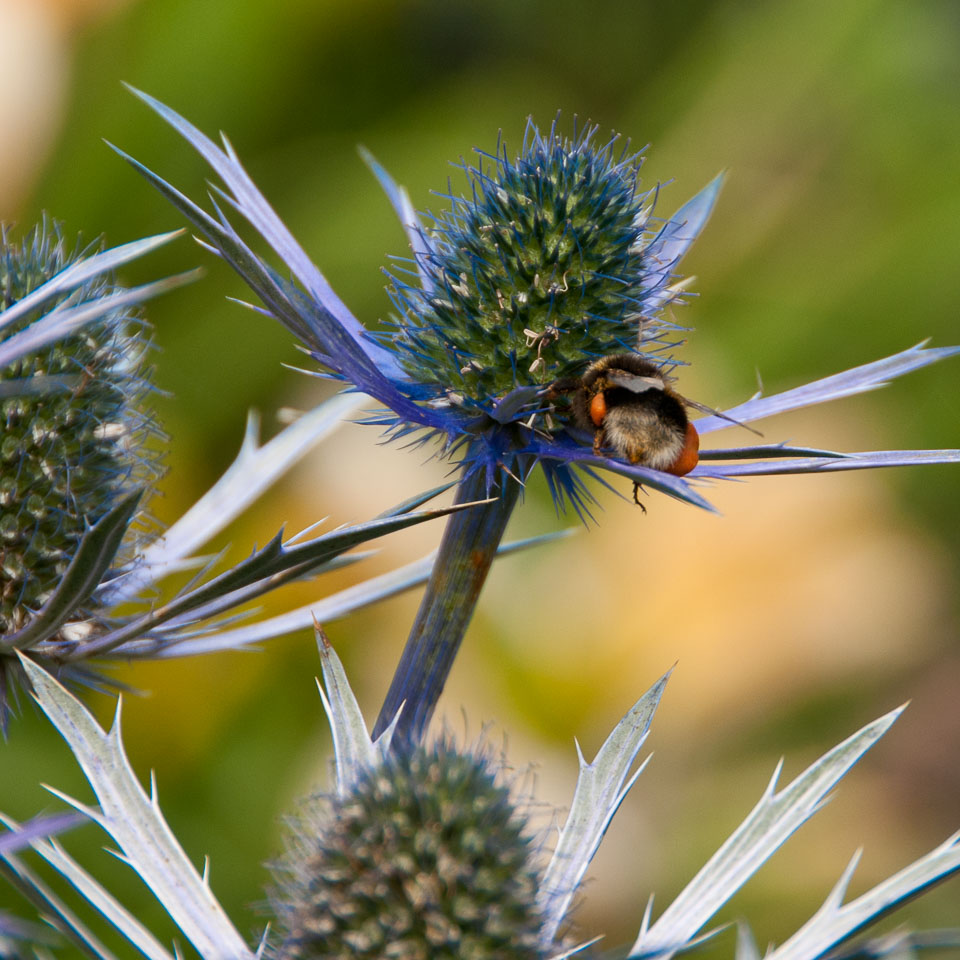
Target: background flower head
{"x":73,"y":557}
{"x":76,"y":424}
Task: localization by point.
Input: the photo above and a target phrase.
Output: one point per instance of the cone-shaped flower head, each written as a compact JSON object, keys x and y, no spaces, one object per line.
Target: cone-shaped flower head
{"x":549,"y":262}
{"x":545,"y":265}
{"x":425,"y":857}
{"x":73,"y":426}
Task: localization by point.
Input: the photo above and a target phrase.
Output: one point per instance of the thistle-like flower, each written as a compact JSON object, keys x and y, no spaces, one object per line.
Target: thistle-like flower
{"x":421,"y":854}
{"x":78,"y":453}
{"x":425,"y":856}
{"x":529,"y":331}
{"x":74,"y":428}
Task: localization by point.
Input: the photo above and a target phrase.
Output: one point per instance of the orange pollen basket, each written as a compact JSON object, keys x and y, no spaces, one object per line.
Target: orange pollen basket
{"x":598,"y":409}
{"x":689,"y":455}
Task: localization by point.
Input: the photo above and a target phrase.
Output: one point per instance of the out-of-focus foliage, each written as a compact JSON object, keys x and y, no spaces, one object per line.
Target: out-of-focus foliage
{"x":812,"y":606}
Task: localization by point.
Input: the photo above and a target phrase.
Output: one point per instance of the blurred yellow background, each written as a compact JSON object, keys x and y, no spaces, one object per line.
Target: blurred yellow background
{"x":811,"y":606}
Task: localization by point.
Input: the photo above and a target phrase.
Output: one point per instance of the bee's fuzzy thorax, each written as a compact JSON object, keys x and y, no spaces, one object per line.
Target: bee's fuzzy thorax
{"x":640,"y":435}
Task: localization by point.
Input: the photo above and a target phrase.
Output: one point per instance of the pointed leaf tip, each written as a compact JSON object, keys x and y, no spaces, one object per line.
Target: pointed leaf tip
{"x":775,"y":818}
{"x":676,"y":237}
{"x":746,"y":948}
{"x":696,"y":211}
{"x":354,"y":750}
{"x":692,"y":217}
{"x":601,"y":786}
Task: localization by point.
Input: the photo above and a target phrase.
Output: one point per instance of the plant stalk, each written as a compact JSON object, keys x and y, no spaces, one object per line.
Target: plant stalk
{"x":470,"y":542}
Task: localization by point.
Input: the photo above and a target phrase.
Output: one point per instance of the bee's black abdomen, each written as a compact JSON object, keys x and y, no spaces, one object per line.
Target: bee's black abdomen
{"x":662,"y":404}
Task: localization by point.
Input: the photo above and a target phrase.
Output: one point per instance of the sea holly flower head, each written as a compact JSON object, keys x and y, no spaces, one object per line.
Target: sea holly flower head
{"x":75,"y":426}
{"x":426,"y":856}
{"x":548,"y":260}
{"x":422,"y":853}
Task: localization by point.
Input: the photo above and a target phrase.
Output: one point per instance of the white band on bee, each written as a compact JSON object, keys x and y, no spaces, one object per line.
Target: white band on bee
{"x":634,"y":383}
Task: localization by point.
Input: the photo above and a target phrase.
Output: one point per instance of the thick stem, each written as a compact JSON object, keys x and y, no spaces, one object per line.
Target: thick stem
{"x":470,"y":542}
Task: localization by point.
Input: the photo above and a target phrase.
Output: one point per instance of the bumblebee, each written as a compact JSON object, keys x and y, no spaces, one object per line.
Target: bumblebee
{"x":624,"y":400}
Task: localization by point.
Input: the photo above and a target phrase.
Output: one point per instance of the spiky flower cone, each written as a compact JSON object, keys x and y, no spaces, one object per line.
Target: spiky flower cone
{"x":426,"y":859}
{"x":543,"y":268}
{"x":72,"y":429}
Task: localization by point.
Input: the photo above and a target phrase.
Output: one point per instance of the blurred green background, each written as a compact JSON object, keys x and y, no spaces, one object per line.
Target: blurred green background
{"x":813,"y":605}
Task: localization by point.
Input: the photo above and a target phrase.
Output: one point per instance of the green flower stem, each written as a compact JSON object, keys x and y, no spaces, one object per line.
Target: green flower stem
{"x":469,"y":544}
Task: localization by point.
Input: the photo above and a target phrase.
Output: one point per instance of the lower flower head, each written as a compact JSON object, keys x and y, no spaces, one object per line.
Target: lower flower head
{"x":425,"y":857}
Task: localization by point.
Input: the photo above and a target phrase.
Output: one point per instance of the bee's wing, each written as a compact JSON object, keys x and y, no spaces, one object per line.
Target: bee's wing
{"x":635,"y":383}
{"x":703,"y":408}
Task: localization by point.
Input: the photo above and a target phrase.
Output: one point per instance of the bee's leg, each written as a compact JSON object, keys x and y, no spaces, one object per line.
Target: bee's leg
{"x":599,"y":442}
{"x":559,"y":387}
{"x":636,"y":489}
